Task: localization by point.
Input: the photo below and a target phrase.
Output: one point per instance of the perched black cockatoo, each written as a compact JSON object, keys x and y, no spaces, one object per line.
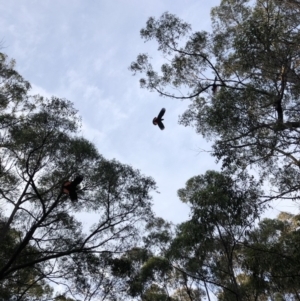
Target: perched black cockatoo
{"x":214,"y":87}
{"x":158,"y":120}
{"x":70,"y":188}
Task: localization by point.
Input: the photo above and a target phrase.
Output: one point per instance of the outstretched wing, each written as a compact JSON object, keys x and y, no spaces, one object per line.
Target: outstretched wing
{"x":161,"y":113}
{"x":160,"y":124}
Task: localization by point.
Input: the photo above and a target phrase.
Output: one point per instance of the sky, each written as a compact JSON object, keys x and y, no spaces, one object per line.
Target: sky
{"x":80,"y":50}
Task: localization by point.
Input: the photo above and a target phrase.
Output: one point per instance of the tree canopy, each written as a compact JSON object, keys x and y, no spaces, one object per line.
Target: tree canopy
{"x":242,"y":83}
{"x":222,"y":252}
{"x":42,"y":234}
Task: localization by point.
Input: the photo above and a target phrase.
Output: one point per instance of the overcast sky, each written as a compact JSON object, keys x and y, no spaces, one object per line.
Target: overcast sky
{"x":81,"y":50}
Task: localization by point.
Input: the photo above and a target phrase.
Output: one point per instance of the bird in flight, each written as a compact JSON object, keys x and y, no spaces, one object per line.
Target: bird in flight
{"x":70,"y":188}
{"x":158,"y":120}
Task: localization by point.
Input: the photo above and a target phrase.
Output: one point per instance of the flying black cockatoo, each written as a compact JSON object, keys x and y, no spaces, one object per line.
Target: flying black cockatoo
{"x":158,"y":120}
{"x":214,"y":87}
{"x":70,"y":188}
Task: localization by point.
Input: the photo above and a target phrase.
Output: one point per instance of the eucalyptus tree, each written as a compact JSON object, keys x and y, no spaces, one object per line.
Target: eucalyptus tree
{"x":223,"y":249}
{"x":27,"y":284}
{"x":204,"y":256}
{"x":146,"y":274}
{"x":40,"y":149}
{"x":270,"y":259}
{"x":205,"y":247}
{"x":242,"y":82}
